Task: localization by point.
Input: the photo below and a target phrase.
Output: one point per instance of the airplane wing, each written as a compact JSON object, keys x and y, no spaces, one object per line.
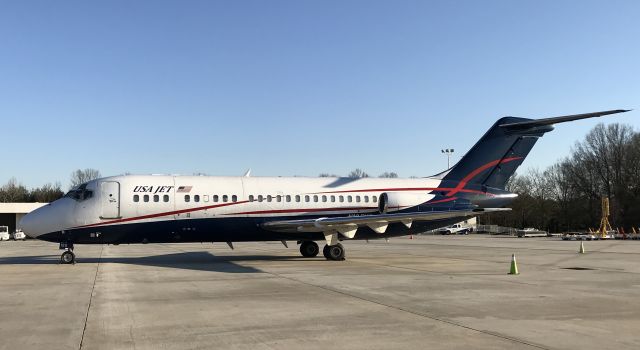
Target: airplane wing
{"x":348,"y":225}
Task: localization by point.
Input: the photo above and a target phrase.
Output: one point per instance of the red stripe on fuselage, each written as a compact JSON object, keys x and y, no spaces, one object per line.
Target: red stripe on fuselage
{"x":156,"y":215}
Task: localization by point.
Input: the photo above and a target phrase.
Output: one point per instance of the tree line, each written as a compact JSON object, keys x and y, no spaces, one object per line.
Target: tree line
{"x":15,"y":192}
{"x":567,"y":195}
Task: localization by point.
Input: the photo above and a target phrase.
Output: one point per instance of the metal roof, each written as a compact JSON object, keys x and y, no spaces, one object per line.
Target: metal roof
{"x":19,"y":208}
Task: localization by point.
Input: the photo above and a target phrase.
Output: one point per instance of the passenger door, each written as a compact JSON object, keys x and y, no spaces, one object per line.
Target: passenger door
{"x":110,"y":197}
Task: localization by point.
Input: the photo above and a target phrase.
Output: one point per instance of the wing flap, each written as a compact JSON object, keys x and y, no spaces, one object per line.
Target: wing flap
{"x":347,"y":225}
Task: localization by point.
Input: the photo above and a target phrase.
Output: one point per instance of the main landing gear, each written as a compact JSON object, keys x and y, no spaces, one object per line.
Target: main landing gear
{"x":67,"y":256}
{"x":309,"y":249}
{"x":333,"y":252}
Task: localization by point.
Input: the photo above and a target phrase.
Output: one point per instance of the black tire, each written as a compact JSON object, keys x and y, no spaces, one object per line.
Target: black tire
{"x":309,"y":249}
{"x":67,"y":257}
{"x":333,"y":252}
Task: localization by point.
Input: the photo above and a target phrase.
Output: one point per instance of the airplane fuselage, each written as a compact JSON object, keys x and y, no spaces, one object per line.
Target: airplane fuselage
{"x":161,"y":208}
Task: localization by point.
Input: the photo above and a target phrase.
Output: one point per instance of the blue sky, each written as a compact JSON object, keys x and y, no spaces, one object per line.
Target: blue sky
{"x":299,"y":87}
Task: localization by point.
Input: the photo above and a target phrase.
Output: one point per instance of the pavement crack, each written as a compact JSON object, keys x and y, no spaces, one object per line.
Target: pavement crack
{"x":86,"y":317}
{"x":413,"y":312}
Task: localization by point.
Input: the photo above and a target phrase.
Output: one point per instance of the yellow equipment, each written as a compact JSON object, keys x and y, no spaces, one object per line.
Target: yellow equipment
{"x":605,"y":226}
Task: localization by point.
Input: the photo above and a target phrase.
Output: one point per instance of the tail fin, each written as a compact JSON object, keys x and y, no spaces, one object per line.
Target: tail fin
{"x":497,"y":155}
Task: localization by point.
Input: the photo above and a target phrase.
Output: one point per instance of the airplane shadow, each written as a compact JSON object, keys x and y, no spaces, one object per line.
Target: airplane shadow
{"x":198,"y":261}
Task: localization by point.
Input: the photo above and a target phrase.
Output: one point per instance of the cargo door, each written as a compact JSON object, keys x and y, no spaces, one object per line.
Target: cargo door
{"x":110,"y":197}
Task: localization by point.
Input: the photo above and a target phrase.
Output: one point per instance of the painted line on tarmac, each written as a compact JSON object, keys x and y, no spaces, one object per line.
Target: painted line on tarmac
{"x":95,"y":278}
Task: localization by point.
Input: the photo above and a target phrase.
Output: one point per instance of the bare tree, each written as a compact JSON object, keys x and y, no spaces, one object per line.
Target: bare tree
{"x":566,"y":196}
{"x":328,"y":175}
{"x":358,"y":173}
{"x":13,"y":192}
{"x":389,"y":175}
{"x":79,"y":176}
{"x":47,"y":193}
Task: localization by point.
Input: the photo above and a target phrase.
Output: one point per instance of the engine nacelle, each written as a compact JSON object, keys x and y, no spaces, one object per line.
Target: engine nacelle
{"x":394,"y":201}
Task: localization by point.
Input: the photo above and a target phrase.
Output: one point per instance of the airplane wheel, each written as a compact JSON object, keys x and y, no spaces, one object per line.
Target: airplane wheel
{"x":309,"y":249}
{"x":68,"y":257}
{"x":333,"y":252}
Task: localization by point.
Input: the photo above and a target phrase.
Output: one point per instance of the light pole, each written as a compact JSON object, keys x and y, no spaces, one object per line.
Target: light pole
{"x":448,"y":152}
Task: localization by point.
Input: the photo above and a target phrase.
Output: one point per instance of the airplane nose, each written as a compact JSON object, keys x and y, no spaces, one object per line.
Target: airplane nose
{"x":28,"y":224}
{"x":47,"y":219}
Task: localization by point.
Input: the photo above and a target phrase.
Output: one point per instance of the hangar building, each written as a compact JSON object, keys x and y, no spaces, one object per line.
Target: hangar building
{"x":11,"y":213}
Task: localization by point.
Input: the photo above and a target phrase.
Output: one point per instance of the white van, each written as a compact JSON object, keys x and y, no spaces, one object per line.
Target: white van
{"x":19,"y":235}
{"x":4,"y":233}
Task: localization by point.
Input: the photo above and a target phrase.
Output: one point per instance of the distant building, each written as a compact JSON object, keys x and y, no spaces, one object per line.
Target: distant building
{"x":11,"y":213}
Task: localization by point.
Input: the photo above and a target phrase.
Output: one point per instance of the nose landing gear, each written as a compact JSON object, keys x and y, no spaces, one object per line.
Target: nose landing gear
{"x":67,"y":256}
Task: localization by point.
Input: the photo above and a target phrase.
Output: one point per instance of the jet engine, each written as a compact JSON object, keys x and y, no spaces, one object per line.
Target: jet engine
{"x":394,"y":201}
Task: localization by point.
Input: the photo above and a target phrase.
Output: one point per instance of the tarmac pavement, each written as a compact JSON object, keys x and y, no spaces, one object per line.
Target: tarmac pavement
{"x":431,"y":292}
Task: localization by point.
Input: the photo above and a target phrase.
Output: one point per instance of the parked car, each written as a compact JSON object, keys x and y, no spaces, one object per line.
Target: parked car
{"x":4,"y":233}
{"x":454,"y":229}
{"x":531,"y":232}
{"x":19,"y":235}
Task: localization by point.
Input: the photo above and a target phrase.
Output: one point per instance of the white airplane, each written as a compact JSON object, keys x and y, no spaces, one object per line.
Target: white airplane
{"x":161,"y":208}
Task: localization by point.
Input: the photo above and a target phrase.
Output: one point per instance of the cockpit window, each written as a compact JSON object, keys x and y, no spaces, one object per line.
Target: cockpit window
{"x":79,"y":193}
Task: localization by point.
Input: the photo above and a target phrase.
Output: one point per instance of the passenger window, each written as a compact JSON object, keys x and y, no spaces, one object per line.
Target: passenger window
{"x":278,"y":198}
{"x":358,"y":199}
{"x":260,"y":198}
{"x":333,"y":198}
{"x":315,"y":198}
{"x":196,"y":198}
{"x":146,"y":198}
{"x":366,"y":199}
{"x":165,"y":198}
{"x":225,"y":198}
{"x":187,"y":198}
{"x":306,"y":198}
{"x":215,"y":198}
{"x":297,"y":198}
{"x":269,"y":198}
{"x":349,"y":199}
{"x":288,"y":198}
{"x":324,"y":198}
{"x":234,"y":198}
{"x":375,"y":199}
{"x":156,"y":198}
{"x":250,"y":198}
{"x":136,"y":198}
{"x":341,"y":199}
{"x":205,"y":198}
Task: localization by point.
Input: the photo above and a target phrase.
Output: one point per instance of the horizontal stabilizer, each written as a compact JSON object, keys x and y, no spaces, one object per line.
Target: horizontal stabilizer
{"x":534,"y":123}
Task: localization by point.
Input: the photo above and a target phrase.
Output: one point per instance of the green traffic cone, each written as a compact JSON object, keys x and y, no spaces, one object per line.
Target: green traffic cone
{"x":514,"y":266}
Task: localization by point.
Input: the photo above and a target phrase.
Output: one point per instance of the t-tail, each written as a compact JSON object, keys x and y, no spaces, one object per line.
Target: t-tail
{"x":496,"y":156}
